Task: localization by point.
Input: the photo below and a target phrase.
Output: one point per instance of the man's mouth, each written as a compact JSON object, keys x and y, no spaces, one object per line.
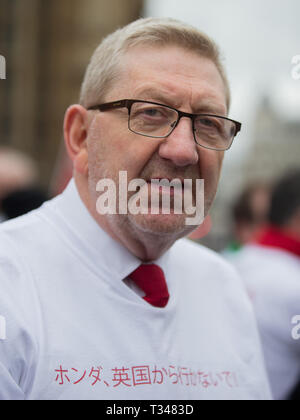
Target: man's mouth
{"x":165,"y":181}
{"x":167,"y":185}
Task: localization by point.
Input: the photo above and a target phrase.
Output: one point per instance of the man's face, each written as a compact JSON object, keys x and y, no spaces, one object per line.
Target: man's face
{"x":172,"y":76}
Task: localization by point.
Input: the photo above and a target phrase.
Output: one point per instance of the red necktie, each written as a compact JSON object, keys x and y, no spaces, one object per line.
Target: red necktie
{"x":151,"y":279}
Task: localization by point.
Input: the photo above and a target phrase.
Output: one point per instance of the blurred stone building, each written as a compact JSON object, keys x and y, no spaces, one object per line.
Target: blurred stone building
{"x":47,"y":45}
{"x":276,"y":148}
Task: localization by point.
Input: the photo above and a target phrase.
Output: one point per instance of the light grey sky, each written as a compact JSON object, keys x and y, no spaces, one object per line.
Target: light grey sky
{"x":258,"y":39}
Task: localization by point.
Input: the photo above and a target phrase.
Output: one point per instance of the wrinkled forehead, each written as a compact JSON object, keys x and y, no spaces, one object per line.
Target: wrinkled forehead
{"x":173,"y":71}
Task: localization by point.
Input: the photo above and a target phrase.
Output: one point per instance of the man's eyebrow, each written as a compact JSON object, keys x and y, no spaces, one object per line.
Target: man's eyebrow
{"x":158,"y":96}
{"x":202,"y":107}
{"x":209,"y":108}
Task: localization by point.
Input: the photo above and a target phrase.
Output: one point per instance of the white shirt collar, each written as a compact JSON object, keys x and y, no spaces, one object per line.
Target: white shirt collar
{"x":102,"y":250}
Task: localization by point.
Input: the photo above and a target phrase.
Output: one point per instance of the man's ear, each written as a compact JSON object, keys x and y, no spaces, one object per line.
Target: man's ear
{"x":75,"y":135}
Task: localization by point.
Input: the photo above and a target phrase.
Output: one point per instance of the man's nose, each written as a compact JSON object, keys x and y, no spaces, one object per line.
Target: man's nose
{"x":180,"y":146}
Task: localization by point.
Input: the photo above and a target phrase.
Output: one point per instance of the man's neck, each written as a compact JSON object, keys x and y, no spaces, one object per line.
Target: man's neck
{"x":146,"y":246}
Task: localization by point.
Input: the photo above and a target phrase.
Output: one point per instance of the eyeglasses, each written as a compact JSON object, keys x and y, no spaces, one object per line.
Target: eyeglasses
{"x":151,"y":119}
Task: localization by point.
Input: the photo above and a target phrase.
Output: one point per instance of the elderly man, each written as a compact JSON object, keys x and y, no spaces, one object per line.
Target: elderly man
{"x":104,"y":304}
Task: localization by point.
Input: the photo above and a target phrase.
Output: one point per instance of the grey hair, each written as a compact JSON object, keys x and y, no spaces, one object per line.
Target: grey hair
{"x":105,"y":64}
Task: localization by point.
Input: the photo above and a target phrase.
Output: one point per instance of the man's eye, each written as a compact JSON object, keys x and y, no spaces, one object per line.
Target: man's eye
{"x":152,"y":112}
{"x":208,"y":122}
{"x":212,"y":125}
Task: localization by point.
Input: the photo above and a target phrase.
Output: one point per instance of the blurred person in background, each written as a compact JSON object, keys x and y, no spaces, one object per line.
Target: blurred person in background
{"x":249,"y":215}
{"x":17,"y":171}
{"x":19,"y":193}
{"x":22,"y":201}
{"x":270,"y":268}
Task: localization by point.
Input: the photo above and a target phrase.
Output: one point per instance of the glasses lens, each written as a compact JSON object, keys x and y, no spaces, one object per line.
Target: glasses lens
{"x":214,"y":132}
{"x":152,"y":120}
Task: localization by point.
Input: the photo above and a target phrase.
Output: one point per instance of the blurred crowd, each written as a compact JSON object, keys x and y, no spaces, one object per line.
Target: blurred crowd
{"x":266,"y":251}
{"x":264,"y":248}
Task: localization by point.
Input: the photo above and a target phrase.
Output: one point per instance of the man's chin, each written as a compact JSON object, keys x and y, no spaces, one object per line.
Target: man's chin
{"x":162,"y":224}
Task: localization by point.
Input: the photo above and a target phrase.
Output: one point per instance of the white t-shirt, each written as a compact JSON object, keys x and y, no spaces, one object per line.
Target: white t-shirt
{"x":272,"y":277}
{"x":75,"y":330}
